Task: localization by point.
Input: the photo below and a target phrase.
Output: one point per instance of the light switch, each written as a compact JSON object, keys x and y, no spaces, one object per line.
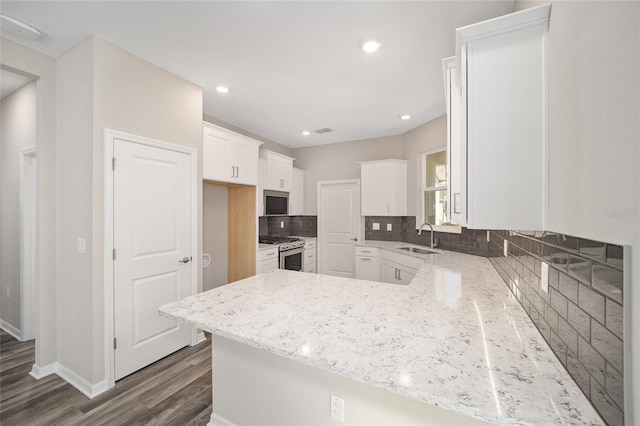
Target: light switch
{"x":82,"y":246}
{"x":506,"y":248}
{"x":282,"y":224}
{"x":389,"y":227}
{"x":376,"y":226}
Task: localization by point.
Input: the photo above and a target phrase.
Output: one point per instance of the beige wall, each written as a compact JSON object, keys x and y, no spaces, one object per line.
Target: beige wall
{"x":74,"y":206}
{"x":42,"y":67}
{"x":594,"y":100}
{"x":340,"y":161}
{"x":428,"y":137}
{"x":102,"y":86}
{"x":18,"y":132}
{"x":215,"y":221}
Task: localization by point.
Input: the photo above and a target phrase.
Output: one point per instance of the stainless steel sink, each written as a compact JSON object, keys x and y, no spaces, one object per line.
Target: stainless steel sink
{"x":417,"y":250}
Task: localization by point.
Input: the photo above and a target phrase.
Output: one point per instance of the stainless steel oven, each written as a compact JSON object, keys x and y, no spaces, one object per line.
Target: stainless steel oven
{"x":292,"y":259}
{"x":291,"y":250}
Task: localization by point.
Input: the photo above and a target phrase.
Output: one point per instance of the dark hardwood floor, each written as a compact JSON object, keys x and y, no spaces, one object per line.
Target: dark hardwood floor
{"x":173,"y":391}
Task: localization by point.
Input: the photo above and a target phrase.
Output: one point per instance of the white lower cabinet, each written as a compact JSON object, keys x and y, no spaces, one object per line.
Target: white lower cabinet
{"x":309,"y":262}
{"x":268,"y":260}
{"x":367,"y":263}
{"x":397,"y":268}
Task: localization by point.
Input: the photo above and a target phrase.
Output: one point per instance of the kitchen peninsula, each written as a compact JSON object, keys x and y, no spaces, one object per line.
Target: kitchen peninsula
{"x":451,"y":347}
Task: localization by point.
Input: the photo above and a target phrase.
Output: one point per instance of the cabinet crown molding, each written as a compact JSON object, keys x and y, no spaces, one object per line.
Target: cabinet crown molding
{"x":538,"y":15}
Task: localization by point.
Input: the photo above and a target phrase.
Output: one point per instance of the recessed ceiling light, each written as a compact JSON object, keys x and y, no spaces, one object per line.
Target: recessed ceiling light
{"x":222,"y":89}
{"x":306,"y":132}
{"x":405,"y":117}
{"x":370,"y":45}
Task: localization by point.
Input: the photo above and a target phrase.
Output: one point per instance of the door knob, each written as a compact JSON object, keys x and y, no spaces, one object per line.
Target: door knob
{"x":185,"y":259}
{"x":354,"y":239}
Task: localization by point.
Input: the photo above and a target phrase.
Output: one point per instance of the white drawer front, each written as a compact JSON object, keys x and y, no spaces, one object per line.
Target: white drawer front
{"x":310,"y":244}
{"x":268,"y":254}
{"x":309,"y":256}
{"x":366,"y":251}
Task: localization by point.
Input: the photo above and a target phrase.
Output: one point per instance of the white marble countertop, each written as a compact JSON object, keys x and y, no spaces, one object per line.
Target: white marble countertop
{"x":454,"y":337}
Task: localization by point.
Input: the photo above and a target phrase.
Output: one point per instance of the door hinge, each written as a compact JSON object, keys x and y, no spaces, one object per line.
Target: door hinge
{"x":114,"y":254}
{"x":115,"y":343}
{"x":113,"y":163}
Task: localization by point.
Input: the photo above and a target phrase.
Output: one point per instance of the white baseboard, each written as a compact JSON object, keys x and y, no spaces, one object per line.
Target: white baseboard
{"x":199,"y":338}
{"x":38,"y":372}
{"x":216,"y":420}
{"x":89,"y":390}
{"x":11,"y":330}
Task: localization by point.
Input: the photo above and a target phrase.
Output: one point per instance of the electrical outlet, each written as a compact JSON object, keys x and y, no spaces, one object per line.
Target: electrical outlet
{"x":376,"y":226}
{"x":282,"y":224}
{"x":337,"y":408}
{"x":389,"y":227}
{"x":544,"y":279}
{"x":488,"y":236}
{"x":505,"y":249}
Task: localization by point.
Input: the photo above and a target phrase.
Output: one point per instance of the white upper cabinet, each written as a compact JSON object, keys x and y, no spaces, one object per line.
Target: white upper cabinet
{"x":502,"y":66}
{"x":229,"y":156}
{"x":296,"y":196}
{"x":383,"y":188}
{"x":279,"y":171}
{"x":456,"y":152}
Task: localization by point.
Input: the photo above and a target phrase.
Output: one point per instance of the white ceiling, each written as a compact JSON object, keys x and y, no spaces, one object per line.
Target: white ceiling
{"x":290,"y":65}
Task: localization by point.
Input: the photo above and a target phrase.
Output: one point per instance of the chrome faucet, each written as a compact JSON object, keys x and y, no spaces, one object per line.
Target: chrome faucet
{"x":431,"y":227}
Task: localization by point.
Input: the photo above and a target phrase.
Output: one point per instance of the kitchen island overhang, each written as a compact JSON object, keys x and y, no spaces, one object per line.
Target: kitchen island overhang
{"x":454,"y":337}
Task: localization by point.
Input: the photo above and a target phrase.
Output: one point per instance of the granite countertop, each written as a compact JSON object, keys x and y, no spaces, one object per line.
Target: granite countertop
{"x":454,"y":337}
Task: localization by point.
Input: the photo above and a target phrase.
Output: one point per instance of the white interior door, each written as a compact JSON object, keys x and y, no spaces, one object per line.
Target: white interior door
{"x":152,"y":239}
{"x":339,"y":223}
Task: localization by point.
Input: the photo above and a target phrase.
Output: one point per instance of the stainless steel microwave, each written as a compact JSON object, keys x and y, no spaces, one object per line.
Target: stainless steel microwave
{"x":276,"y":203}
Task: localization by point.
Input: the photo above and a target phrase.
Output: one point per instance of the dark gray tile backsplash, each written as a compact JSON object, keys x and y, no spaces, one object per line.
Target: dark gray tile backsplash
{"x":581,"y":316}
{"x":302,"y":226}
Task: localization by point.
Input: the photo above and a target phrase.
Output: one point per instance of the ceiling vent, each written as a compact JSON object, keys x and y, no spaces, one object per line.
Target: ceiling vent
{"x":323,"y":130}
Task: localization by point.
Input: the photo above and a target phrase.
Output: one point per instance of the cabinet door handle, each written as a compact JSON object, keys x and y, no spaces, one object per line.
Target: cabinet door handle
{"x":395,"y":271}
{"x":365,"y":258}
{"x":238,"y":172}
{"x":233,"y":171}
{"x":399,"y":275}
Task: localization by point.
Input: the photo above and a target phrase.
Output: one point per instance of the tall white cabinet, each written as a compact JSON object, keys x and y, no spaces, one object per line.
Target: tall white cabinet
{"x":383,"y":188}
{"x":501,"y":71}
{"x":456,"y":150}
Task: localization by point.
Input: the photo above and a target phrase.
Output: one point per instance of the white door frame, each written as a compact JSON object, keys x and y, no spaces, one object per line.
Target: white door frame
{"x":28,"y":230}
{"x":109,"y":333}
{"x":320,"y":185}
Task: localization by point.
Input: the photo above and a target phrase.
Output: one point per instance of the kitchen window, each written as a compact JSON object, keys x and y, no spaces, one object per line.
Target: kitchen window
{"x":434,"y":193}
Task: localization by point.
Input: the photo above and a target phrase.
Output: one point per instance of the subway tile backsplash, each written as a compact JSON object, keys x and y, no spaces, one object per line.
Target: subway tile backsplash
{"x":301,"y":226}
{"x":582,"y":315}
